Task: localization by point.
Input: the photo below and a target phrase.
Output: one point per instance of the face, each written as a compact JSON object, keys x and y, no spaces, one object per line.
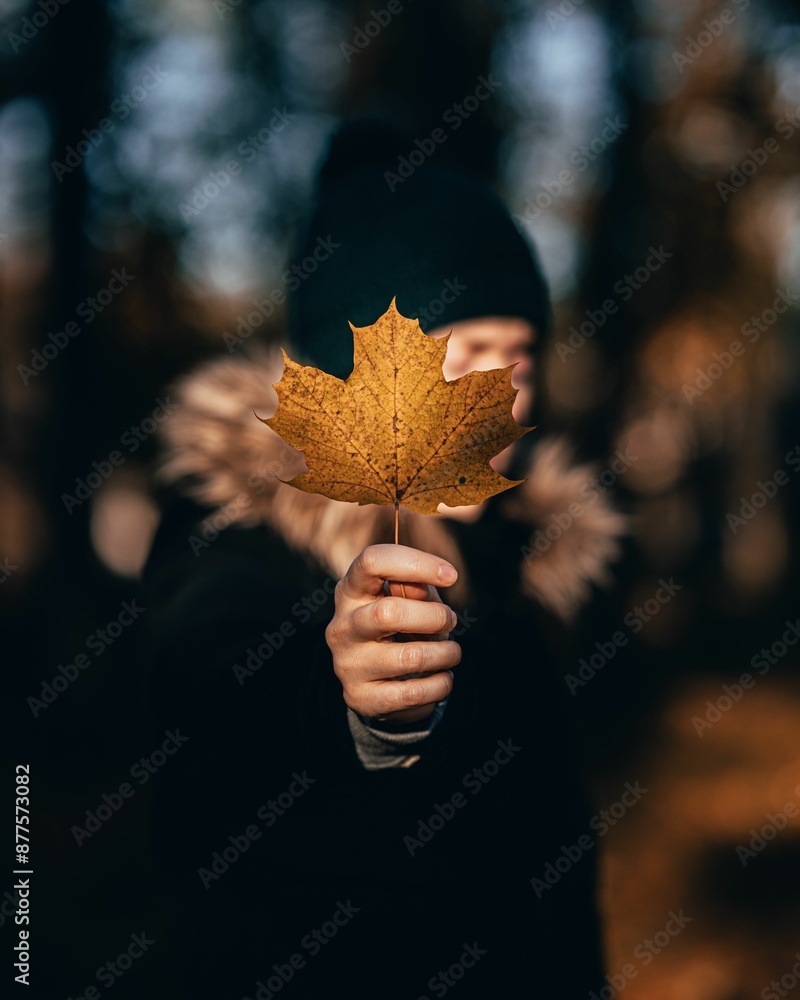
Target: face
{"x":492,"y":342}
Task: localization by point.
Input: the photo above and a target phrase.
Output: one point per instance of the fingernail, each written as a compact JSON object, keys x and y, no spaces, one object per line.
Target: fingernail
{"x":453,"y":619}
{"x":447,"y":574}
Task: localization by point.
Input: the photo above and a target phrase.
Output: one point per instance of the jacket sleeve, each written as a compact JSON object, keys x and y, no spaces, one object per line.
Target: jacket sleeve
{"x":380,"y":745}
{"x":236,"y":642}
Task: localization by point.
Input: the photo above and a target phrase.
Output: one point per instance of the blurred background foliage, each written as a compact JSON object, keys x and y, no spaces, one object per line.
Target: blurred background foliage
{"x":115,"y":117}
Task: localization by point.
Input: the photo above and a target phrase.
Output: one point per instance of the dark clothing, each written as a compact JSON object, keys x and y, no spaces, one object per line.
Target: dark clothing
{"x":377,"y":882}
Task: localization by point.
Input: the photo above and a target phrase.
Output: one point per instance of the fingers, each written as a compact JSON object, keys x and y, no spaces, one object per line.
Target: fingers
{"x":378,"y":676}
{"x":387,"y":697}
{"x":384,"y":678}
{"x":391,"y":615}
{"x":390,"y":660}
{"x":399,"y":658}
{"x":377,"y":563}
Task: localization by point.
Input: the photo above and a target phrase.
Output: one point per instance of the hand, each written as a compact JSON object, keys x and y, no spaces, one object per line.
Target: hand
{"x":397,"y":680}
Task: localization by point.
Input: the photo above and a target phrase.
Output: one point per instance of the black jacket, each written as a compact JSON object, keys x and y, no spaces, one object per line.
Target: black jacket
{"x":289,"y":868}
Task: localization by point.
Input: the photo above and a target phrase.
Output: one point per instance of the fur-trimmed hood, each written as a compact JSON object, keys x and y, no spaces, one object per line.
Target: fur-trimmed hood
{"x":225,"y":458}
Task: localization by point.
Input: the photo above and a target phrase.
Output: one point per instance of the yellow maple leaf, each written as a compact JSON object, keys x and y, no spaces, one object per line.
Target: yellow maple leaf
{"x":396,"y":432}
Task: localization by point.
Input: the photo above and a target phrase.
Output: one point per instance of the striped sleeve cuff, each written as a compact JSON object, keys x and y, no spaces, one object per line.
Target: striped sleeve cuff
{"x":380,"y":745}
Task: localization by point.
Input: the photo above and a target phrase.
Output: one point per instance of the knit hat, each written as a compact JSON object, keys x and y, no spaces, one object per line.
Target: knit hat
{"x":389,"y":222}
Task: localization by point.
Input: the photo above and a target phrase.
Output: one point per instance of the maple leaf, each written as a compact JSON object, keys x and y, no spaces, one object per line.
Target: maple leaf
{"x":396,"y":432}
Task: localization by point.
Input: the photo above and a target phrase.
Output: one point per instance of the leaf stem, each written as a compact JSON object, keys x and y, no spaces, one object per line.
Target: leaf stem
{"x":397,"y":538}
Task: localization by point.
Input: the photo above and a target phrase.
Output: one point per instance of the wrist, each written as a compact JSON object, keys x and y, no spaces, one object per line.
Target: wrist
{"x":405,"y":717}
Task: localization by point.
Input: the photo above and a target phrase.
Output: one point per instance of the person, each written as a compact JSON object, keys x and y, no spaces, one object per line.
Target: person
{"x":377,"y":794}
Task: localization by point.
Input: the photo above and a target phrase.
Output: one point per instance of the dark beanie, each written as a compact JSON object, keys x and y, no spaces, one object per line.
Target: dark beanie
{"x":440,"y":241}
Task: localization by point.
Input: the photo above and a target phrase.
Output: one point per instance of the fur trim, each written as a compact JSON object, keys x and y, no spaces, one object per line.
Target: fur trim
{"x":566,"y":553}
{"x":225,"y":458}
